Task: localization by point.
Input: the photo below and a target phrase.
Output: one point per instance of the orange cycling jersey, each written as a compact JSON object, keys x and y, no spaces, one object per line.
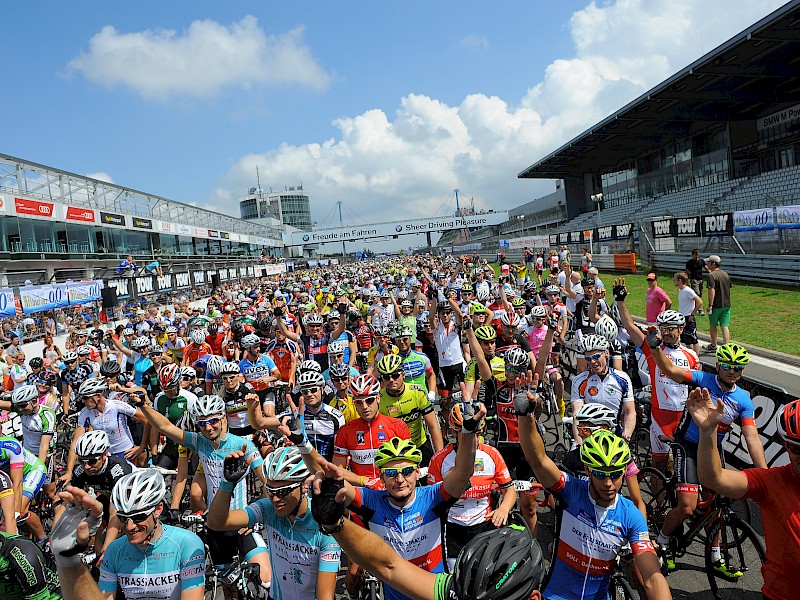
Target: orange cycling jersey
{"x":359,"y":441}
{"x":192,"y":352}
{"x":283,"y":355}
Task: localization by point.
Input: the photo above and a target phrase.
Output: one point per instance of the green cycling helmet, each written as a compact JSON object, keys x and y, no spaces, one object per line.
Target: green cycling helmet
{"x":397,"y":449}
{"x":391,"y":363}
{"x":733,"y":354}
{"x":485,"y":333}
{"x":605,"y":451}
{"x":478,"y":309}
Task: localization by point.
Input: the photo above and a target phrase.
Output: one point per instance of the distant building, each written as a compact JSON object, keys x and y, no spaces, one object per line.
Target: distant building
{"x":290,"y":207}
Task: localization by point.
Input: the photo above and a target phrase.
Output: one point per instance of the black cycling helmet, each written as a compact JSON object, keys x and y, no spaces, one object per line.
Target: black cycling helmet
{"x":237,"y":328}
{"x":37,"y":362}
{"x":501,"y":564}
{"x":212,"y":328}
{"x":110,"y":368}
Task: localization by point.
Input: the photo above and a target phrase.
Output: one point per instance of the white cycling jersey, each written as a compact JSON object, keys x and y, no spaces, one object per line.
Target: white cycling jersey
{"x":114,"y":421}
{"x":611,"y":390}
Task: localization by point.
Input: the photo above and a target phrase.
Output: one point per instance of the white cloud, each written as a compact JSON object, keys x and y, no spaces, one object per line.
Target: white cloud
{"x":385,"y":167}
{"x":199,"y":61}
{"x":101,"y":176}
{"x":474,"y":41}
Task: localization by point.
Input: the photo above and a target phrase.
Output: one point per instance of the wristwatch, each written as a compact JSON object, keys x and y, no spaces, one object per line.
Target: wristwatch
{"x":335,"y":529}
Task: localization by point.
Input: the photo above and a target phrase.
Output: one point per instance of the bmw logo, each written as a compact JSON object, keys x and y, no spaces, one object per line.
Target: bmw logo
{"x":399,"y":228}
{"x":306,"y":238}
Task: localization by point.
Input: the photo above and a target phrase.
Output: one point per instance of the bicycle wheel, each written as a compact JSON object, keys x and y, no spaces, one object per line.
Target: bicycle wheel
{"x":742,"y":550}
{"x":658,"y":496}
{"x":558,"y":453}
{"x":640,"y":445}
{"x":620,"y":589}
{"x":744,"y":508}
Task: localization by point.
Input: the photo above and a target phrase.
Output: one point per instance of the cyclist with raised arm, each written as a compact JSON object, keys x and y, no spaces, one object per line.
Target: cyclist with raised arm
{"x":381,"y":348}
{"x":259,"y":370}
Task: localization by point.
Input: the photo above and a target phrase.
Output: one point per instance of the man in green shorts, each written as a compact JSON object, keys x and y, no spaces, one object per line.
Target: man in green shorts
{"x":719,"y":301}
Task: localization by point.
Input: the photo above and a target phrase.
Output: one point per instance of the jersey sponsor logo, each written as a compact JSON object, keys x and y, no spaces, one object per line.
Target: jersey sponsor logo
{"x":24,"y":565}
{"x":611,"y":391}
{"x":381,"y":436}
{"x":638,"y":547}
{"x":593,"y":391}
{"x":359,"y":437}
{"x":329,"y":557}
{"x":479,"y":465}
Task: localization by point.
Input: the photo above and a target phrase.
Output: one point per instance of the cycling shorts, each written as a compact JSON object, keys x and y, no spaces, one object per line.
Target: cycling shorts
{"x":452,"y":375}
{"x":33,"y":481}
{"x":663,"y":423}
{"x":457,"y":536}
{"x":223,"y":546}
{"x":685,"y":467}
{"x":6,"y":487}
{"x":518,"y":467}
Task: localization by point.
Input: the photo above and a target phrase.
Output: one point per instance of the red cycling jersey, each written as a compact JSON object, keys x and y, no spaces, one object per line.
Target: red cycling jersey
{"x":359,"y":440}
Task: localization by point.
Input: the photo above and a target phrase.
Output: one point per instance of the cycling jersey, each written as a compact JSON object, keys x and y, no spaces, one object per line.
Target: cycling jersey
{"x":172,"y":563}
{"x":140,"y":366}
{"x":321,"y":428}
{"x":411,"y":406}
{"x":414,"y":531}
{"x":283,"y":355}
{"x":11,"y":454}
{"x":76,"y":376}
{"x":364,"y":337}
{"x":39,"y":424}
{"x":358,"y":441}
{"x":448,"y":344}
{"x":376,"y":353}
{"x":214,"y":458}
{"x":316,"y":349}
{"x":254,"y":372}
{"x":297,"y":550}
{"x":589,"y":540}
{"x":345,"y":406}
{"x":24,"y":571}
{"x":416,"y":365}
{"x":236,"y":405}
{"x":194,"y":351}
{"x":497,"y":364}
{"x":473,"y":507}
{"x":738,"y":405}
{"x":611,"y":390}
{"x":172,"y":408}
{"x":215,"y":343}
{"x":345,"y":339}
{"x":499,"y":397}
{"x":175,"y":349}
{"x":113,"y":420}
{"x":668,"y":395}
{"x":518,"y":340}
{"x":34,"y":470}
{"x":104,"y":481}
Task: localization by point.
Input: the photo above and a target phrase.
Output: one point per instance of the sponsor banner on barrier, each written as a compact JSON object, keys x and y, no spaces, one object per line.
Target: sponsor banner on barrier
{"x":144,"y":285}
{"x":535,"y":241}
{"x":123,"y":286}
{"x":36,"y":298}
{"x":182,"y":280}
{"x":7,"y":305}
{"x":33,"y":208}
{"x":112,"y":219}
{"x":761,"y":219}
{"x":563,"y":238}
{"x":663,"y":228}
{"x":140,"y":223}
{"x":81,"y":292}
{"x":788,"y":217}
{"x":575,"y":237}
{"x":687,"y":227}
{"x":79,"y":213}
{"x":623,"y":231}
{"x":714,"y":225}
{"x":213,"y":233}
{"x":554,"y":239}
{"x":281,"y":267}
{"x":199,"y":277}
{"x":164,"y":284}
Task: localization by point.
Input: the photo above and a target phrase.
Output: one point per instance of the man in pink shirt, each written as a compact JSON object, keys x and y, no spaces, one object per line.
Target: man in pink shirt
{"x":657,"y":300}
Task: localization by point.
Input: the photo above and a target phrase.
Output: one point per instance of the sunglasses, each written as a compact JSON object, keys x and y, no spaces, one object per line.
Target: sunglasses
{"x":212,"y":421}
{"x":365,"y":401}
{"x":70,"y":362}
{"x":734,"y":368}
{"x":613,"y":475}
{"x":137,"y":518}
{"x":393,"y":473}
{"x":339,"y":379}
{"x":229,"y":377}
{"x":405,"y":338}
{"x":591,"y":357}
{"x":587,"y":431}
{"x":311,"y":390}
{"x":668,"y":328}
{"x":187,"y":377}
{"x":90,"y":460}
{"x":395,"y":376}
{"x":513,"y":371}
{"x":487,"y":342}
{"x":281,"y":492}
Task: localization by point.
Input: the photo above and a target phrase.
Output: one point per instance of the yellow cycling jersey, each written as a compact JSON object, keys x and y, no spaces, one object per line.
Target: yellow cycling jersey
{"x":374,"y":354}
{"x":345,"y":406}
{"x":498,"y":369}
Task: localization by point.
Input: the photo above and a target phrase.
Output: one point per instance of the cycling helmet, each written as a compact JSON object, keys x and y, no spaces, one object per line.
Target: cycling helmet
{"x":90,"y":387}
{"x":169,"y":376}
{"x":594,"y":342}
{"x":510,"y":319}
{"x":444,"y":305}
{"x":587,"y":281}
{"x":24,"y":395}
{"x":198,"y":336}
{"x":335,"y":348}
{"x":309,"y":365}
{"x":467,"y":288}
{"x":788,"y":422}
{"x":538,"y":312}
{"x":402,"y":332}
{"x":92,"y":443}
{"x":250,"y":340}
{"x":129,"y":331}
{"x":212,"y":329}
{"x":110,"y":368}
{"x":482,"y":295}
{"x":172,"y":329}
{"x":501,"y":564}
{"x":310,"y":379}
{"x":36,"y":362}
{"x":733,"y":354}
{"x":402,"y":295}
{"x":314,"y":319}
{"x":605,"y":451}
{"x":385,"y":294}
{"x":364,"y":385}
{"x":48,"y":378}
{"x":333,"y":315}
{"x":552,"y":289}
{"x":285,"y":464}
{"x":486,"y":333}
{"x":229,"y":368}
{"x":530,"y":286}
{"x":671,"y":317}
{"x":478,"y":309}
{"x":518,"y":302}
{"x":406,"y":304}
{"x":206,"y":406}
{"x":382,"y":331}
{"x":141,"y":342}
{"x":456,"y":419}
{"x":138,"y":491}
{"x":517,"y":358}
{"x":84,"y":351}
{"x":397,"y":449}
{"x":237,"y":328}
{"x":69,"y":357}
{"x":185,"y":422}
{"x":605,"y":327}
{"x":339,"y":370}
{"x":391,"y":363}
{"x":596,"y":415}
{"x":214,"y":365}
{"x":188,"y":371}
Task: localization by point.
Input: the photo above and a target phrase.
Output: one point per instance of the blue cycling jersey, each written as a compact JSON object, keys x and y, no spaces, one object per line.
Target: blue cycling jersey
{"x":297,"y":551}
{"x":139,"y":367}
{"x":174,"y":562}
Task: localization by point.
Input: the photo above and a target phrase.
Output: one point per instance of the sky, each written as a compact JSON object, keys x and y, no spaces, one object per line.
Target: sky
{"x":387,"y":107}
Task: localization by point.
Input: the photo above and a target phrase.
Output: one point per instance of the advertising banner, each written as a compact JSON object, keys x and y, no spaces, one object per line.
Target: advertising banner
{"x":199,"y":277}
{"x":112,"y":219}
{"x":575,"y":237}
{"x":7,"y":306}
{"x":788,"y":217}
{"x":715,"y":225}
{"x":281,"y":268}
{"x":81,"y":292}
{"x":36,"y":298}
{"x":623,"y":232}
{"x":761,"y":219}
{"x":534,"y":241}
{"x":183,"y":230}
{"x":123,"y":287}
{"x":79,"y":213}
{"x":182,"y":280}
{"x":140,"y":223}
{"x":213,"y":233}
{"x":563,"y":238}
{"x":224,"y":235}
{"x":664,"y":228}
{"x":144,"y":285}
{"x":164,"y":284}
{"x":3,"y":204}
{"x":687,"y":227}
{"x":33,"y":208}
{"x":554,"y":239}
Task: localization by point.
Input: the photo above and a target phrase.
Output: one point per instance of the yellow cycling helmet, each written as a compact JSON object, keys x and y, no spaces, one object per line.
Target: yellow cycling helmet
{"x":605,"y":451}
{"x":478,"y":308}
{"x":397,"y":449}
{"x":485,"y":333}
{"x":733,"y":354}
{"x":391,"y":363}
{"x":516,"y":302}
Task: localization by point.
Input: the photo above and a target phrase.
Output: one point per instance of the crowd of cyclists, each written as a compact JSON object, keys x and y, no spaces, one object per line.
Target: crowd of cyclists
{"x":390,"y":412}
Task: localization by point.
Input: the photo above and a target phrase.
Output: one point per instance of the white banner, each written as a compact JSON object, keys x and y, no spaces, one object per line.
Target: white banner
{"x":272,"y":269}
{"x":353,"y":233}
{"x":531,"y":241}
{"x":776,"y":118}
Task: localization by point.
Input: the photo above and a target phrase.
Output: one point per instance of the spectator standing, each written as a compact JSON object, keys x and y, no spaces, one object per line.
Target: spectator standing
{"x":127,"y":266}
{"x":598,"y":284}
{"x":696,"y":269}
{"x":719,"y":301}
{"x":657,"y":299}
{"x":689,"y":304}
{"x":586,"y":261}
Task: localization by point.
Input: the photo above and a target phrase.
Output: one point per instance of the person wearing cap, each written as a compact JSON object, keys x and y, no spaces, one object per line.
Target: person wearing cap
{"x":657,"y":300}
{"x":718,"y":284}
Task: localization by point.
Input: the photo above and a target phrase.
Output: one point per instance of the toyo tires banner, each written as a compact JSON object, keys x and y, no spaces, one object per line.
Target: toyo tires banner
{"x":7,"y":306}
{"x":37,"y":298}
{"x":81,"y":292}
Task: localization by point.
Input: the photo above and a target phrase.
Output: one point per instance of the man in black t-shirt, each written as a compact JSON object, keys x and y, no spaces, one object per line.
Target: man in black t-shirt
{"x":696,"y":270}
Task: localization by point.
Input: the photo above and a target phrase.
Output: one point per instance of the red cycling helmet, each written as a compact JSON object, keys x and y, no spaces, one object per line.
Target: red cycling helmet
{"x":789,"y":423}
{"x":169,"y":376}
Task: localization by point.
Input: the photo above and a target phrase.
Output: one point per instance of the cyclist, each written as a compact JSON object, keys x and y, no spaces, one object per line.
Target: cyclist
{"x":49,"y":395}
{"x":474,"y":512}
{"x":150,"y":380}
{"x":447,"y":322}
{"x":596,"y":520}
{"x":73,"y":376}
{"x":85,"y":358}
{"x":174,"y":345}
{"x":305,"y":561}
{"x":365,"y":337}
{"x":196,"y":348}
{"x":731,"y":361}
{"x":406,"y":312}
{"x":410,"y":403}
{"x":258,"y":369}
{"x":215,"y":338}
{"x":138,"y":354}
{"x":172,"y":402}
{"x":340,"y":377}
{"x":346,"y":339}
{"x":337,"y":356}
{"x":417,"y":366}
{"x":487,"y":340}
{"x":286,"y":355}
{"x":536,"y":337}
{"x":235,"y":392}
{"x":213,"y":444}
{"x":381,"y":348}
{"x":213,"y":369}
{"x":25,"y":572}
{"x":27,"y":474}
{"x":315,"y":342}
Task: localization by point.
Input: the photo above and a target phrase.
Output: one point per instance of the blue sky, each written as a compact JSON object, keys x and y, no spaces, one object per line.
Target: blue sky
{"x":385,"y":106}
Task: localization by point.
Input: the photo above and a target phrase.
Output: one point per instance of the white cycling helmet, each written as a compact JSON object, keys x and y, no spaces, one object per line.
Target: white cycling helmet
{"x":128,"y":331}
{"x":309,"y":365}
{"x":92,"y":443}
{"x":365,"y":385}
{"x":250,"y":340}
{"x":206,"y":406}
{"x":596,"y":415}
{"x":138,"y":492}
{"x":309,"y":379}
{"x":606,"y":328}
{"x":90,"y":387}
{"x":510,"y":319}
{"x":141,"y":342}
{"x":335,"y":348}
{"x":285,"y":464}
{"x":172,"y":329}
{"x":594,"y":342}
{"x":198,"y":336}
{"x":313,"y":319}
{"x":538,"y":312}
{"x":83,"y":351}
{"x":188,"y":371}
{"x":230,"y":368}
{"x":552,"y":289}
{"x":482,"y":296}
{"x":671,"y":317}
{"x":24,"y":394}
{"x":214,"y":365}
{"x":517,"y":358}
{"x":69,"y":356}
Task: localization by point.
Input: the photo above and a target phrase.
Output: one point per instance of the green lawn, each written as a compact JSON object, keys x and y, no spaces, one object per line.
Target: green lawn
{"x":761,"y":315}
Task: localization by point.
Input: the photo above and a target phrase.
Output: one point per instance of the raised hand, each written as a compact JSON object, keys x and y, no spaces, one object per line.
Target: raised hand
{"x":707,"y":413}
{"x":619,"y":290}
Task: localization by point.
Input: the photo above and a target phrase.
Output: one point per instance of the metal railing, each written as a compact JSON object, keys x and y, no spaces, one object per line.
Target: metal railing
{"x":760,"y":268}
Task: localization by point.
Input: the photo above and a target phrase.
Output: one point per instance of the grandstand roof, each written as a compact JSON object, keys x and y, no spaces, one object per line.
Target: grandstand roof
{"x":753,"y":72}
